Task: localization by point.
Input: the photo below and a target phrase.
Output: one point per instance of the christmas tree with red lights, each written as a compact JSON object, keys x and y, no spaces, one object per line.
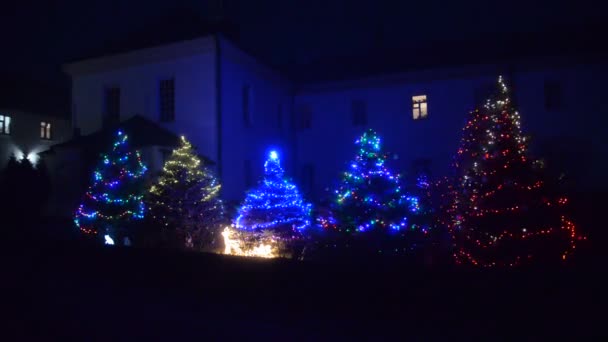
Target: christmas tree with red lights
{"x":503,"y":210}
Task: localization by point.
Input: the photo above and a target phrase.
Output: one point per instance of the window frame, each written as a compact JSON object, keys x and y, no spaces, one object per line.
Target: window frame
{"x":166,"y":99}
{"x":359,"y":113}
{"x":420,"y":104}
{"x":46,"y":130}
{"x":5,"y":124}
{"x":109,"y":117}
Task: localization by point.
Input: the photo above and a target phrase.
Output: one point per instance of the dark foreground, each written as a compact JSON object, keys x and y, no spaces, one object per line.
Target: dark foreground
{"x":76,"y":290}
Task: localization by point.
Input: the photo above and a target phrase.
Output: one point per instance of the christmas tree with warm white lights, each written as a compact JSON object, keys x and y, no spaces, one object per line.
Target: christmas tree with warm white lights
{"x":115,"y":198}
{"x":185,"y":200}
{"x":503,"y":212}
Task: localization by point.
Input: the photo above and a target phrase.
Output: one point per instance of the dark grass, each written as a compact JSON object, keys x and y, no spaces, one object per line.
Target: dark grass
{"x":59,"y":286}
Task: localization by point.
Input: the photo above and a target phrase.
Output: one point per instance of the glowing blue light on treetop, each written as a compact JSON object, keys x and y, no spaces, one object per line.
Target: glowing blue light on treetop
{"x":275,"y":204}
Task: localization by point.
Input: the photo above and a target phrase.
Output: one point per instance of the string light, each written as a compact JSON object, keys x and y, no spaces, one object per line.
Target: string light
{"x":370,"y":196}
{"x":498,"y":186}
{"x":275,"y":204}
{"x":113,"y":197}
{"x":185,"y":198}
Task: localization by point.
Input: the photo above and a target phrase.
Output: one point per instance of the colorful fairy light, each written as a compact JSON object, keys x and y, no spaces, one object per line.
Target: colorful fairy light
{"x":499,"y":212}
{"x":370,"y":196}
{"x":114,"y":197}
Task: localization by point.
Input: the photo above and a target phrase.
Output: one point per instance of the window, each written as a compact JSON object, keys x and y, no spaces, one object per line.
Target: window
{"x":165,"y":154}
{"x":247,"y":115}
{"x":304,"y":117}
{"x":45,"y":130}
{"x":553,"y":95}
{"x":359,"y":113}
{"x":420,"y":107}
{"x":167,"y":100}
{"x":280,"y":116}
{"x":111,"y":105}
{"x":248,"y":174}
{"x":308,"y":173}
{"x":5,"y":124}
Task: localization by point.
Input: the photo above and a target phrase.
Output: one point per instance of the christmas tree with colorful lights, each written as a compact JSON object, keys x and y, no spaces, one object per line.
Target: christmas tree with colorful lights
{"x":114,"y":200}
{"x":275,"y":205}
{"x":370,"y":197}
{"x":185,"y":200}
{"x":503,"y":211}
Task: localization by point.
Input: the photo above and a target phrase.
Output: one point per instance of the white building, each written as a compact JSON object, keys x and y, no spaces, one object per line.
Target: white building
{"x":234,"y":109}
{"x":225,"y":102}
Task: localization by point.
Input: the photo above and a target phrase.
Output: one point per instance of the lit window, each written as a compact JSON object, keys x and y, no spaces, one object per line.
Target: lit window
{"x":420,"y":107}
{"x":5,"y":124}
{"x":167,"y":100}
{"x":45,"y":130}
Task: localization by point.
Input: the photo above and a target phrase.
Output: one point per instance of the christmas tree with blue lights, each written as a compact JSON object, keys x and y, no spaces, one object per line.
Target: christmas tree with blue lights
{"x":275,"y":206}
{"x":114,"y":200}
{"x":370,"y":197}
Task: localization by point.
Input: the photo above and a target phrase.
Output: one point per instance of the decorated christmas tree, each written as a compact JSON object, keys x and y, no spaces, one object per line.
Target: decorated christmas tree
{"x":185,"y":200}
{"x":115,"y":198}
{"x":370,"y":196}
{"x":276,"y":204}
{"x":272,"y":217}
{"x":503,"y":211}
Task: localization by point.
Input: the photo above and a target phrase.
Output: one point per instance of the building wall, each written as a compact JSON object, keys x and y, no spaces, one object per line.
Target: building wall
{"x":138,"y":74}
{"x":241,"y":143}
{"x":24,"y":138}
{"x":576,"y":124}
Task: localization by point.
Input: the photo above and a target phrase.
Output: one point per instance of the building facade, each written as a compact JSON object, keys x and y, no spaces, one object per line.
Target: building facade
{"x":234,"y":110}
{"x":24,"y":134}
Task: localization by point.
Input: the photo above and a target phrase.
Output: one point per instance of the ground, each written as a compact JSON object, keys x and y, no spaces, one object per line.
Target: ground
{"x":105,"y":293}
{"x":58,"y":286}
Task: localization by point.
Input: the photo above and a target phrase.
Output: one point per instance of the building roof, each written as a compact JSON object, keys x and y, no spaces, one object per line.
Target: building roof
{"x":141,"y":131}
{"x":19,"y":92}
{"x":494,"y":49}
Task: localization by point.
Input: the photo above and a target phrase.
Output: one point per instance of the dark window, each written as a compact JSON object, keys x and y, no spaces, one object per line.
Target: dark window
{"x":45,"y":130}
{"x":247,"y":115}
{"x":304,"y":117}
{"x":5,"y":124}
{"x":280,"y":116}
{"x":308,"y":175}
{"x":111,"y":105}
{"x":165,"y":154}
{"x":359,"y":112}
{"x":553,"y":95}
{"x":248,"y":174}
{"x":167,"y":100}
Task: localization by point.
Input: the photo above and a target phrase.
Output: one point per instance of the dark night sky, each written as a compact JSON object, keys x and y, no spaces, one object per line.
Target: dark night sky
{"x":39,"y":36}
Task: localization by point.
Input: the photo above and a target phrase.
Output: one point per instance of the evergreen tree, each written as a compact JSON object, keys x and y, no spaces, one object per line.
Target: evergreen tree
{"x":275,"y":206}
{"x":114,"y":201}
{"x":503,"y":213}
{"x":185,"y":199}
{"x":370,"y":197}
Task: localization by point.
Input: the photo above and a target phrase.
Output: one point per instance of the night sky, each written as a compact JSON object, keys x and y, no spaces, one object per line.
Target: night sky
{"x":39,"y":36}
